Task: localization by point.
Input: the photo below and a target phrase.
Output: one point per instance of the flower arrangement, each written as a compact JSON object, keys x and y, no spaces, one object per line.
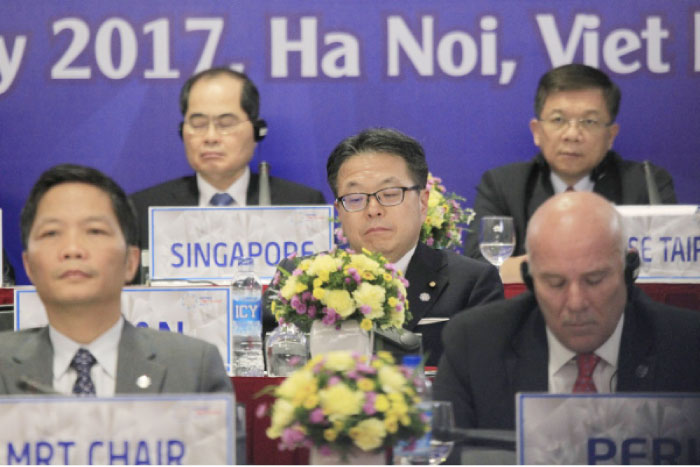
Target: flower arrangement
{"x":341,"y":285}
{"x":446,"y":220}
{"x":339,"y":401}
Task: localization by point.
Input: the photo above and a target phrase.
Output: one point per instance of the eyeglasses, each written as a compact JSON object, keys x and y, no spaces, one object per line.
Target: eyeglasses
{"x":392,"y":196}
{"x":225,"y":124}
{"x":559,"y":123}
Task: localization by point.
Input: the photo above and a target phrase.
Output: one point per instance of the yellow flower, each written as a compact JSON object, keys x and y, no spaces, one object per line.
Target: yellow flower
{"x":364,"y":263}
{"x":329,"y":434}
{"x":393,"y":301}
{"x":386,"y":357}
{"x":339,"y":361}
{"x":391,"y":379}
{"x":372,"y":296}
{"x":381,"y":403}
{"x":391,"y":424}
{"x":300,"y":287}
{"x":366,"y":275}
{"x":323,"y":265}
{"x":387,"y":277}
{"x":311,"y":401}
{"x":366,"y":324}
{"x":273,"y":306}
{"x":304,"y":265}
{"x":339,"y":401}
{"x":368,"y":434}
{"x":318,"y":283}
{"x":298,"y":386}
{"x":365,"y":384}
{"x":319,"y":293}
{"x":340,"y":301}
{"x":282,"y":416}
{"x":289,"y":288}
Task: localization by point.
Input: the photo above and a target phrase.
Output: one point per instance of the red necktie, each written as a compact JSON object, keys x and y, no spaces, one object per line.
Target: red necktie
{"x":586,"y":364}
{"x":570,"y":188}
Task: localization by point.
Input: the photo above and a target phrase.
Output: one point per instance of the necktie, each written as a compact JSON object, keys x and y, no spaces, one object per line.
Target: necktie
{"x":570,"y":188}
{"x":584,"y":381}
{"x":82,"y":362}
{"x":222,"y":199}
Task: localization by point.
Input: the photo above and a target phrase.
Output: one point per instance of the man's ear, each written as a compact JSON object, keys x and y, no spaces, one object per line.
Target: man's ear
{"x":27,"y":269}
{"x":423,"y":199}
{"x":535,"y":129}
{"x":133,"y":257}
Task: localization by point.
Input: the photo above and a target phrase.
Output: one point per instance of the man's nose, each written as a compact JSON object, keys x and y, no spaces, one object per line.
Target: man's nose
{"x":72,"y":247}
{"x":212,"y":134}
{"x":373,"y":207}
{"x":576,"y":299}
{"x":572,"y":130}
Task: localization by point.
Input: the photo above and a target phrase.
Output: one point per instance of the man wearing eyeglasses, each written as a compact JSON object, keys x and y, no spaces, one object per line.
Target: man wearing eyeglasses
{"x":220,"y":129}
{"x":575,"y":108}
{"x":379,"y":180}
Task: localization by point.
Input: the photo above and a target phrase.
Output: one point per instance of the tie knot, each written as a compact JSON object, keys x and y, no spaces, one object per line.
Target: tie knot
{"x":221,"y":199}
{"x":570,"y":188}
{"x":83,"y":360}
{"x":586,"y":363}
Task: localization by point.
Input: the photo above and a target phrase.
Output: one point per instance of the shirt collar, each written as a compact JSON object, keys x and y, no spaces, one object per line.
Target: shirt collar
{"x":559,"y":355}
{"x":105,"y":349}
{"x":402,"y":264}
{"x":238,"y":190}
{"x":585,"y":184}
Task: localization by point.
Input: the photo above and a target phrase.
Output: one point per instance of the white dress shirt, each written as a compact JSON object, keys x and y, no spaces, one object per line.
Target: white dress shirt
{"x":105,"y":349}
{"x":238,"y":190}
{"x":402,"y":264}
{"x":562,"y":370}
{"x":585,"y":184}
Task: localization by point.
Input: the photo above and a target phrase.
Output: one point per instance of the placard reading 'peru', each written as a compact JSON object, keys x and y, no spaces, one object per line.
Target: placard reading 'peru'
{"x":201,"y":312}
{"x":125,"y":430}
{"x":203,"y":243}
{"x":619,"y":429}
{"x":667,"y":239}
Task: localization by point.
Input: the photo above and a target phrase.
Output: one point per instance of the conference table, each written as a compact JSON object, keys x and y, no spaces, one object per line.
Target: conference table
{"x":261,"y":450}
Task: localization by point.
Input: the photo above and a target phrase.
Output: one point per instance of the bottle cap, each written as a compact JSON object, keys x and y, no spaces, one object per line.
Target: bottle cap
{"x":411,"y":360}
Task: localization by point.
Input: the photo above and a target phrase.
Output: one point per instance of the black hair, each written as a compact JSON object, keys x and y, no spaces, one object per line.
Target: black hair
{"x":250,"y":97}
{"x":70,"y":173}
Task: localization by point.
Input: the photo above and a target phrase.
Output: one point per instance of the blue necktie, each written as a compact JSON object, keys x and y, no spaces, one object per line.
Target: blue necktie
{"x":221,"y":199}
{"x":82,"y":362}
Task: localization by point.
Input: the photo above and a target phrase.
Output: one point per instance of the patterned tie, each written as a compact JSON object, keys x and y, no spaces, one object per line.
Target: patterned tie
{"x":82,"y":362}
{"x":584,"y":381}
{"x":222,"y":199}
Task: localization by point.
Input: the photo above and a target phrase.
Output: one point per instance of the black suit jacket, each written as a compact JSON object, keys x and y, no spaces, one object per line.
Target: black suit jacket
{"x":183,"y":192}
{"x":518,"y":189}
{"x":441,"y":283}
{"x":497,"y":350}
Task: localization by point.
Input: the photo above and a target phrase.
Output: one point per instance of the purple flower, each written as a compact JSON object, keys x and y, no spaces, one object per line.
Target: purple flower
{"x":261,"y":410}
{"x":325,"y":450}
{"x":297,"y":272}
{"x":311,"y":311}
{"x":429,"y":241}
{"x":330,"y":318}
{"x":276,"y":279}
{"x":316,"y":415}
{"x":333,"y":380}
{"x":365,"y":368}
{"x":292,"y":436}
{"x":365,"y":309}
{"x":348,"y":280}
{"x":368,"y":407}
{"x":353,"y":374}
{"x":306,"y":296}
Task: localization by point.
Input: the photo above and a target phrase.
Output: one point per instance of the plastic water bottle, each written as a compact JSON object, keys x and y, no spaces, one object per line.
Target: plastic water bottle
{"x":246,"y":322}
{"x":417,"y":451}
{"x":286,"y":350}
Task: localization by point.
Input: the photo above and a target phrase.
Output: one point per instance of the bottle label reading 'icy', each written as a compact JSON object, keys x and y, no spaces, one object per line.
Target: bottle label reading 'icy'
{"x":246,"y":309}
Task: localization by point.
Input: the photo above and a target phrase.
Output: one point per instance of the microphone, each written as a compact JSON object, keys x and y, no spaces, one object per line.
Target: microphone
{"x":27,"y":384}
{"x":478,"y":437}
{"x":264,"y":187}
{"x":652,"y":189}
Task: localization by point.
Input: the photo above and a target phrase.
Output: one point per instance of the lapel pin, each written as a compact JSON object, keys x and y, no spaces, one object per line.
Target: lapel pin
{"x":143,"y":381}
{"x":424,"y":297}
{"x":641,"y":371}
{"x":432,"y":284}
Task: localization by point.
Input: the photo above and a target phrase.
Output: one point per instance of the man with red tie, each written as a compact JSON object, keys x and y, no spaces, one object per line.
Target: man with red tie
{"x":582,"y":327}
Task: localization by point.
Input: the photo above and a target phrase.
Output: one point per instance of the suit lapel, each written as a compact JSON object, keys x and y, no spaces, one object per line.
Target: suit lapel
{"x":526,"y":366}
{"x":636,"y":361}
{"x":34,"y":359}
{"x":253,"y":193}
{"x":138,"y":370}
{"x":427,"y":277}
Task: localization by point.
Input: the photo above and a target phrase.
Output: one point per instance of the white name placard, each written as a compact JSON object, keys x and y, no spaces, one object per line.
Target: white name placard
{"x":193,"y":243}
{"x":124,"y":430}
{"x":202,"y":312}
{"x":667,"y":238}
{"x":616,"y":429}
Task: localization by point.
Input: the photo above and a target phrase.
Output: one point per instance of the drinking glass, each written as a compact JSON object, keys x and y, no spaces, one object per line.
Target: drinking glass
{"x":496,"y":239}
{"x":434,"y":447}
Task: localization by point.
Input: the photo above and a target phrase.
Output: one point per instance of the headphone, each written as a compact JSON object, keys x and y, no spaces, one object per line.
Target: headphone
{"x":632,"y":264}
{"x":259,"y":129}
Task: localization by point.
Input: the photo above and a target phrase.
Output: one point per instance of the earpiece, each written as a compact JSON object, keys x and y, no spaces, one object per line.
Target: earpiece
{"x":259,"y":129}
{"x":632,"y":264}
{"x":527,"y":278}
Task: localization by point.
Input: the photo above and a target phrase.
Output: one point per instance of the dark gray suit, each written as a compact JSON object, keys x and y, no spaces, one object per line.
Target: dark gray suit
{"x":173,"y":362}
{"x":441,"y":283}
{"x":518,"y":189}
{"x":494,"y":351}
{"x":183,"y":192}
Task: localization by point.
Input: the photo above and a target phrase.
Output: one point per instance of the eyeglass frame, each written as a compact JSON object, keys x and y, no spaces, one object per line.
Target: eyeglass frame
{"x":404,"y":189}
{"x":579,"y":123}
{"x":202,"y":130}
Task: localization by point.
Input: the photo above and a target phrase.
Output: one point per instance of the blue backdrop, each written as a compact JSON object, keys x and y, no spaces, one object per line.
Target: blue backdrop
{"x":97,"y":82}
